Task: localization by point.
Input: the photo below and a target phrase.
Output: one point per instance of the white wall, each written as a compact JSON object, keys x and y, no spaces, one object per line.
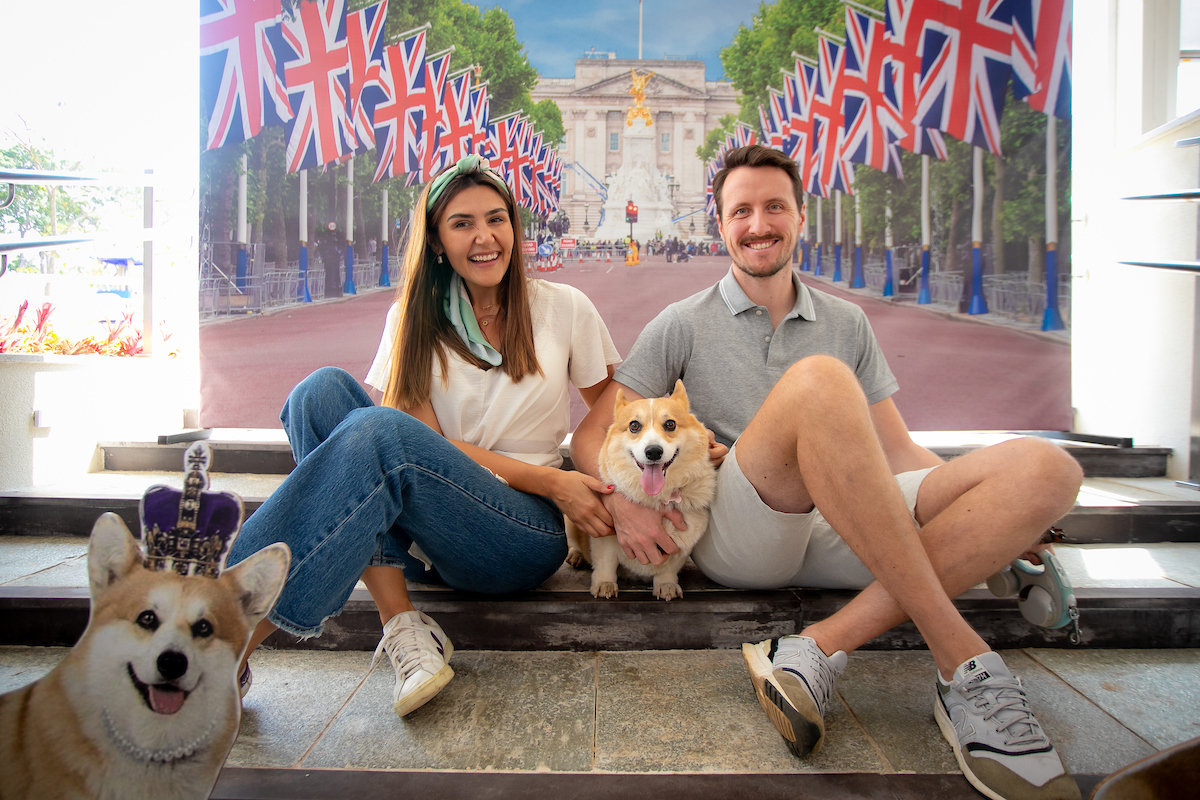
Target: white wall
{"x":1133,"y":328}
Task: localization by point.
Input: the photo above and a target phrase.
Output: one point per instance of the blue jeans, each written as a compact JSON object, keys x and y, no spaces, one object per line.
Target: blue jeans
{"x":371,"y":481}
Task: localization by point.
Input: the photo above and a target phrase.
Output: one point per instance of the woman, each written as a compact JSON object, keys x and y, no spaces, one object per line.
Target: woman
{"x":457,"y":476}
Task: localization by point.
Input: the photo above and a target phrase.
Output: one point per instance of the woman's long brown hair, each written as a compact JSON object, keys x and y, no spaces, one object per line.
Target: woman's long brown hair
{"x":424,"y":329}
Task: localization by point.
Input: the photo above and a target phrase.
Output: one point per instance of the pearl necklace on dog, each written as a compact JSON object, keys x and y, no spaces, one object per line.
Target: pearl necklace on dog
{"x":160,"y":756}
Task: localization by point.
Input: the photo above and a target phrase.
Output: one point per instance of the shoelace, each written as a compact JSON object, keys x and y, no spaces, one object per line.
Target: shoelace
{"x":826,"y":675}
{"x":1000,"y":695}
{"x":402,"y":648}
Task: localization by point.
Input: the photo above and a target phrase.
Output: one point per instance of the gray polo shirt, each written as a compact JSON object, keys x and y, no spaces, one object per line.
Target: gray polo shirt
{"x":722,"y":346}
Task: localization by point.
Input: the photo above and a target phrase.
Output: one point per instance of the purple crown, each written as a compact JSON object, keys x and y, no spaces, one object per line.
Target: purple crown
{"x":191,"y":531}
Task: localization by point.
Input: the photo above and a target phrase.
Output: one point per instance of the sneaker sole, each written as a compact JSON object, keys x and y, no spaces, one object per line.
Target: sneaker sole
{"x":425,"y":692}
{"x":802,"y":728}
{"x":949,"y":734}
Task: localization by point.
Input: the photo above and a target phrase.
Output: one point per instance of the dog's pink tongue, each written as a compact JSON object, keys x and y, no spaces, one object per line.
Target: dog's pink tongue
{"x":654,"y":477}
{"x":166,"y":701}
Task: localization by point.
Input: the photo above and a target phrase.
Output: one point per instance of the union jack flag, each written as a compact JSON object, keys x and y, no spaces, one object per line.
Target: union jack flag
{"x":240,"y":78}
{"x":1042,"y":56}
{"x":797,"y":96}
{"x":364,"y":37}
{"x":399,"y":118}
{"x":966,"y":61}
{"x":318,"y":81}
{"x":456,"y":135}
{"x":480,"y":111}
{"x":769,"y":120}
{"x":833,"y":171}
{"x":503,"y":141}
{"x":546,"y":201}
{"x":523,"y":164}
{"x":422,"y":165}
{"x":710,"y":203}
{"x":872,"y":131}
{"x":901,"y":68}
{"x":744,"y":135}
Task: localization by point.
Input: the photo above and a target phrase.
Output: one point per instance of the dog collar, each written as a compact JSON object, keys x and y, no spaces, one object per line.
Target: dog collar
{"x":157,"y":756}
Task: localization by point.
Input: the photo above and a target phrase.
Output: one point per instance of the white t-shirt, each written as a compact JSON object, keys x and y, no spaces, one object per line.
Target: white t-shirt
{"x":526,"y":420}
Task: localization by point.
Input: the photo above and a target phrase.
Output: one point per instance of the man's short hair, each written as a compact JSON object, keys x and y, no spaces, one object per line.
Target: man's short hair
{"x":755,"y":155}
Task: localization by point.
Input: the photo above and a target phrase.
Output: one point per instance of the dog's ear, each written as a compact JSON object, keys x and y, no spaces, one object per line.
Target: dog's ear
{"x":112,"y":553}
{"x":680,"y":394}
{"x":620,"y":402}
{"x":259,"y":579}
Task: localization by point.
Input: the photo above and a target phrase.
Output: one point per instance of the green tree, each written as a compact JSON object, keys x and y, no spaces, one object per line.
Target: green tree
{"x":714,"y":139}
{"x":754,"y":57}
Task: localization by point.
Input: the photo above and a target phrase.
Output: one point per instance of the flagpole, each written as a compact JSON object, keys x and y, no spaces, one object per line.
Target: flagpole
{"x":820,"y":238}
{"x":241,"y":226}
{"x":1052,"y":320}
{"x":805,"y":264}
{"x":978,"y":304}
{"x":837,"y":236}
{"x":349,"y":288}
{"x":859,"y":281}
{"x":889,"y":287}
{"x":384,"y":278}
{"x":923,"y":298}
{"x":304,"y":293}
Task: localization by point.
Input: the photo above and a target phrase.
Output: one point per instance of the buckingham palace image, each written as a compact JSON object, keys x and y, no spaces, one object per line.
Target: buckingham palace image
{"x":613,"y":155}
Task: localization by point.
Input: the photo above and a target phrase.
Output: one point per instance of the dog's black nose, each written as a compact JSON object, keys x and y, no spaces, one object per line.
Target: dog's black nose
{"x":172,"y":664}
{"x":654,"y":452}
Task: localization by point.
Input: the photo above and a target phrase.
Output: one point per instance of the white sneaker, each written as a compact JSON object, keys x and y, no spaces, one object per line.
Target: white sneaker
{"x":997,"y":740}
{"x":419,"y":650}
{"x":794,"y":680}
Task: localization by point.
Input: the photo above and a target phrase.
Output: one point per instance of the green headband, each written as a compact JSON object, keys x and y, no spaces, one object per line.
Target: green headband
{"x":465,"y":166}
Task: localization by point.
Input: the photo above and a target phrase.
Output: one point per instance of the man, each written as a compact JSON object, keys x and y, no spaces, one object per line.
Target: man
{"x":798,"y":395}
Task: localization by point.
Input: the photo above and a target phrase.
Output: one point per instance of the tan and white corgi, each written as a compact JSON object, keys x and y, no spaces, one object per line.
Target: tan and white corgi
{"x":146,"y":704}
{"x":655,"y":453}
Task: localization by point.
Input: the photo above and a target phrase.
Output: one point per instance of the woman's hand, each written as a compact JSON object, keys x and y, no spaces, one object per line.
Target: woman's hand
{"x":575,"y":494}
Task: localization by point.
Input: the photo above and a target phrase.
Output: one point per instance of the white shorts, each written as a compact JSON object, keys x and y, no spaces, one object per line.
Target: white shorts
{"x":750,"y":545}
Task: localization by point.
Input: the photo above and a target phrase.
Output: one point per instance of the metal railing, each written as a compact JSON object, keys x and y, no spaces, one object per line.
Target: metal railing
{"x":39,"y":177}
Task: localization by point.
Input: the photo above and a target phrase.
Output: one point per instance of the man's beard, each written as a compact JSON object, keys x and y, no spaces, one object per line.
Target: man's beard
{"x":785,"y":260}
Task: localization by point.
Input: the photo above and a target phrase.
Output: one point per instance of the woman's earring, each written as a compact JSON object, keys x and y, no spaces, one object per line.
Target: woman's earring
{"x":439,"y":258}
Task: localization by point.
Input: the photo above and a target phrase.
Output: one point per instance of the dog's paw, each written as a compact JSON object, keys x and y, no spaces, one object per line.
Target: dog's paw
{"x":605,"y":589}
{"x":575,"y":558}
{"x":668,"y":591}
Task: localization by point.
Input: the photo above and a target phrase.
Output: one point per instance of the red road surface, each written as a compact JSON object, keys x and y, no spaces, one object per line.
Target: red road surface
{"x":954,"y":374}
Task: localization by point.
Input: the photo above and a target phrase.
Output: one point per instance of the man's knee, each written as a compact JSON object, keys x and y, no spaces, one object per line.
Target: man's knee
{"x":820,"y":376}
{"x":1051,"y":473}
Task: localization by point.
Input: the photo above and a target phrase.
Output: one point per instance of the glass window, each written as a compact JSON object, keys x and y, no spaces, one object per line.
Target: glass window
{"x":665,"y":143}
{"x":614,"y":142}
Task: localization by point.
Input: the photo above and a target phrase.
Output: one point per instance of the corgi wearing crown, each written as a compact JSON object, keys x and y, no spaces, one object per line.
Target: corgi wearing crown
{"x":655,"y":453}
{"x":146,"y":704}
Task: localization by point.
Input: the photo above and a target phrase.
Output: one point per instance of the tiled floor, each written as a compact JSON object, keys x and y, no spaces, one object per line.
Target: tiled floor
{"x":674,"y":711}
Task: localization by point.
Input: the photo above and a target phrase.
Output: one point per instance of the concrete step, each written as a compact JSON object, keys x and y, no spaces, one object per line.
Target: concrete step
{"x":1129,"y":596}
{"x":1108,"y":510}
{"x":266,"y":451}
{"x":633,"y":723}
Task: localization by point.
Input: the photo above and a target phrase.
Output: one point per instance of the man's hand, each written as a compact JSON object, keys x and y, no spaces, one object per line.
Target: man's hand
{"x":639,"y":529}
{"x":716,"y":450}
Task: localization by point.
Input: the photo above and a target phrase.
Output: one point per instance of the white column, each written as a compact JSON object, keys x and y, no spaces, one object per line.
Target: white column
{"x":241,"y":211}
{"x":304,"y":239}
{"x":349,"y":205}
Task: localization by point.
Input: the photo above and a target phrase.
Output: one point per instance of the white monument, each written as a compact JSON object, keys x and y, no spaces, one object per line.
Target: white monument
{"x":640,"y":181}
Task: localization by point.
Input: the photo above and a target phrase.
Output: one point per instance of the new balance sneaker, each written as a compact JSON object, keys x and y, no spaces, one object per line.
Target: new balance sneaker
{"x":999,"y":744}
{"x":419,"y":650}
{"x":794,"y":681}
